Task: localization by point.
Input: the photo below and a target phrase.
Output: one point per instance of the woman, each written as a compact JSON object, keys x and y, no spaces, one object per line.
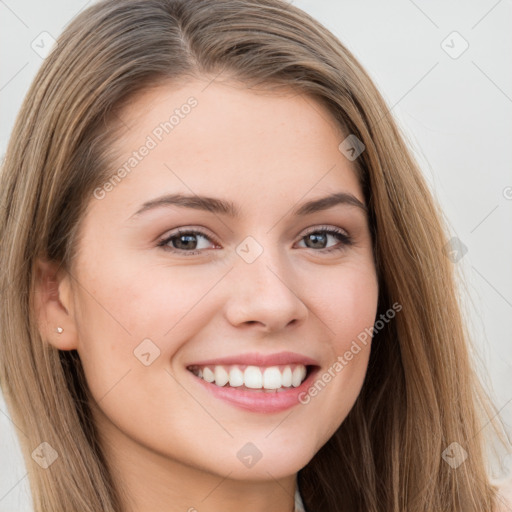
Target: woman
{"x":225,"y":284}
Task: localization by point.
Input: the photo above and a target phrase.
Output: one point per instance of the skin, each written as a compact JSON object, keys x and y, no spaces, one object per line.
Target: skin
{"x":171,"y":445}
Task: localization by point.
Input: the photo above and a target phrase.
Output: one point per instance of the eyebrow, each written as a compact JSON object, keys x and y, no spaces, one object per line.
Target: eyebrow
{"x":228,"y":208}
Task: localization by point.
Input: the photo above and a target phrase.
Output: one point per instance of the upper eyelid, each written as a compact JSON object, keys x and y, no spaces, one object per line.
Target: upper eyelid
{"x":202,"y":231}
{"x":325,"y":227}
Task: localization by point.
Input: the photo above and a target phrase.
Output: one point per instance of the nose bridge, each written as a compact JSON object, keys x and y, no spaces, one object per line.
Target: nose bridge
{"x":261,"y":289}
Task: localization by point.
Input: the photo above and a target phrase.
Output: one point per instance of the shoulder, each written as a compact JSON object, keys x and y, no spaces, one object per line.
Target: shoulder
{"x":504,"y":498}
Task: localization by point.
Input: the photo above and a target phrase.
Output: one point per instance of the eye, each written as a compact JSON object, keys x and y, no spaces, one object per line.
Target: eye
{"x":318,"y":239}
{"x":185,"y":242}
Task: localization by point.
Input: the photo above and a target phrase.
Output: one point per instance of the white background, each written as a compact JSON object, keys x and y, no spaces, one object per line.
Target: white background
{"x":455,"y":112}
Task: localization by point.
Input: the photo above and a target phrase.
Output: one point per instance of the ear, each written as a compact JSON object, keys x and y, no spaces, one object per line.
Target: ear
{"x":53,"y":305}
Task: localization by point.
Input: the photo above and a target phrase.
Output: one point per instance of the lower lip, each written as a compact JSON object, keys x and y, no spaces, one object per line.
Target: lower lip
{"x":259,"y":401}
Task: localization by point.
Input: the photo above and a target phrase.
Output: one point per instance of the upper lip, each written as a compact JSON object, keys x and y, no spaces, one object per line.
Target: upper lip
{"x":257,"y":359}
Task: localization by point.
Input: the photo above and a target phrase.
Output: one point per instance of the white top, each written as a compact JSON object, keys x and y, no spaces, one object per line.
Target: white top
{"x":299,"y":506}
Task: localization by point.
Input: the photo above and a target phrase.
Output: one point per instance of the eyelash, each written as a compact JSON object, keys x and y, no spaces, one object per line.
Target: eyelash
{"x":345,"y":239}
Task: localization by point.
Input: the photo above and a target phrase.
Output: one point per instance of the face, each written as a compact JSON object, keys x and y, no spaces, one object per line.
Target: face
{"x":170,"y":291}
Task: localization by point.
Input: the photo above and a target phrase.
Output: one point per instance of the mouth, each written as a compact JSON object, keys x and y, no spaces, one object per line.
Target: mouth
{"x":263,"y":379}
{"x":264,"y":390}
{"x":256,"y":382}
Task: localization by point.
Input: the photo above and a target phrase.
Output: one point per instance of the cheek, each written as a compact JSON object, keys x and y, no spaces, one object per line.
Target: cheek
{"x":348,"y":308}
{"x":122,"y":315}
{"x":347,"y":303}
{"x":153,"y":299}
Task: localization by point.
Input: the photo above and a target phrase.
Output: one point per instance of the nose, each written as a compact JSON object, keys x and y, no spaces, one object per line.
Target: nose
{"x":264,"y":293}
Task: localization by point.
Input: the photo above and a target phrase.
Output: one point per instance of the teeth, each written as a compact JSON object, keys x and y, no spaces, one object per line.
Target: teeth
{"x":298,"y":375}
{"x":287,"y":377}
{"x":208,"y":375}
{"x":221,"y":376}
{"x":272,"y":378}
{"x":253,"y":377}
{"x":236,"y":377}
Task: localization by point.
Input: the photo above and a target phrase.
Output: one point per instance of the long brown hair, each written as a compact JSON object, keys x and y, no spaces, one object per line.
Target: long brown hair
{"x":421,"y":391}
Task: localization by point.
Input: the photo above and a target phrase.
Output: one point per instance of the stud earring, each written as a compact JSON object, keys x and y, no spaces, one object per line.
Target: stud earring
{"x":59,"y":330}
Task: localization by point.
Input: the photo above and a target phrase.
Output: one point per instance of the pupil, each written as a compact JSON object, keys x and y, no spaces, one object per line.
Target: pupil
{"x":190,"y":239}
{"x":317,"y":239}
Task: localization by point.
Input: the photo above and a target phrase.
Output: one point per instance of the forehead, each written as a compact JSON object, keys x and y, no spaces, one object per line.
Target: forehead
{"x":225,"y":112}
{"x":223,"y":139}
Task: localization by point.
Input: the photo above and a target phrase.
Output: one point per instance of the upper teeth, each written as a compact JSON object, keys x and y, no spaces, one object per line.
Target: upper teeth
{"x":254,"y":377}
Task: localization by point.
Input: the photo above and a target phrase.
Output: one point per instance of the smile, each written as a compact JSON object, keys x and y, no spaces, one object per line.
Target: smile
{"x":256,"y":378}
{"x":257,"y":389}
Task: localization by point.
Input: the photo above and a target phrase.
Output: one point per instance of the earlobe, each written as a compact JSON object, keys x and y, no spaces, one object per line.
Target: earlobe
{"x":52,"y":304}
